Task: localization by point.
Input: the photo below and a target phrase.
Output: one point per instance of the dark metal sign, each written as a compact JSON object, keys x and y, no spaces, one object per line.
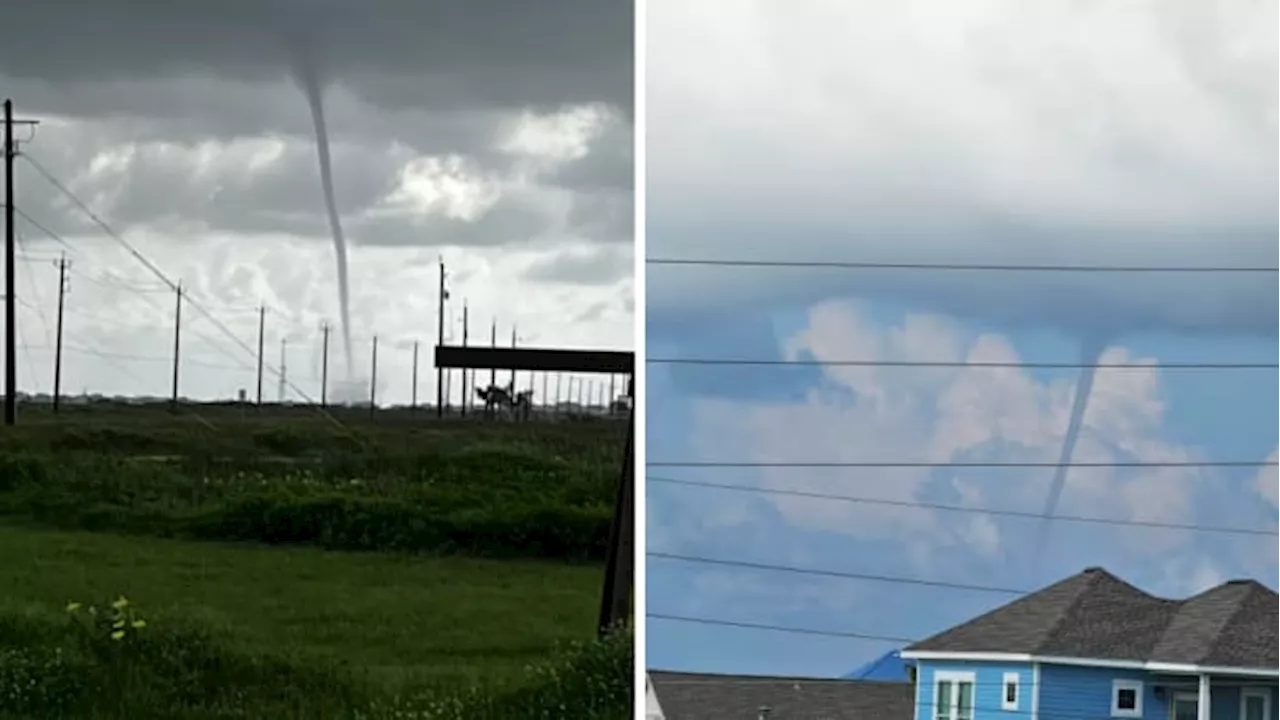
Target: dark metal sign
{"x":535,"y":359}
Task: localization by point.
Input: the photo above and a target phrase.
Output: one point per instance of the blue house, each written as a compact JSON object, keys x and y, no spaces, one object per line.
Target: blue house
{"x":1094,"y":647}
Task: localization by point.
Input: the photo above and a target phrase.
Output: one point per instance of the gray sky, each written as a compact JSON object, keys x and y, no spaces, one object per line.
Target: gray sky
{"x":1051,"y":132}
{"x":490,"y":132}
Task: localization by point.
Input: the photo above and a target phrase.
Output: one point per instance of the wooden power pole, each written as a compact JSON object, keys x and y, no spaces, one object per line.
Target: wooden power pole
{"x":262,"y":339}
{"x":324,"y":367}
{"x":177,"y":344}
{"x":57,"y":348}
{"x":373,"y":378}
{"x":444,"y":295}
{"x":466,"y":399}
{"x":413,"y":398}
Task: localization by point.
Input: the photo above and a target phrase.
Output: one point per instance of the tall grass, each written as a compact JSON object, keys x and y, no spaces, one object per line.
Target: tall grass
{"x":533,"y":492}
{"x":82,"y":666}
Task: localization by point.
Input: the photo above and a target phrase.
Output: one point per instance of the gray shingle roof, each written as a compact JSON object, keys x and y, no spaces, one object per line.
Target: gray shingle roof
{"x":1096,"y":615}
{"x":690,"y":696}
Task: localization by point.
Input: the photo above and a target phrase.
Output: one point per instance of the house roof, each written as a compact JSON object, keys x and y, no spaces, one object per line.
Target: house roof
{"x":693,"y":696}
{"x":889,"y":666}
{"x":1096,"y":615}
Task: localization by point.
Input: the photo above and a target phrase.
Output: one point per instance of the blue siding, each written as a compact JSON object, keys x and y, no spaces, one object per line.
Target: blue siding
{"x":1079,"y":693}
{"x":988,"y":688}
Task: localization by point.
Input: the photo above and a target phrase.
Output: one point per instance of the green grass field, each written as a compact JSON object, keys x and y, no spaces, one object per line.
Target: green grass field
{"x":394,"y":566}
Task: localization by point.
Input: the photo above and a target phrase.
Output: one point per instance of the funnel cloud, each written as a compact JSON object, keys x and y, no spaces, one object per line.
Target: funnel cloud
{"x":1091,"y":348}
{"x":307,"y":77}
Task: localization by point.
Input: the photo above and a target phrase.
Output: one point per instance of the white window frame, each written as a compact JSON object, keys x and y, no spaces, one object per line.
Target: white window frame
{"x":1014,"y":679}
{"x":1125,"y":684}
{"x":954,"y":677}
{"x":1256,"y":692}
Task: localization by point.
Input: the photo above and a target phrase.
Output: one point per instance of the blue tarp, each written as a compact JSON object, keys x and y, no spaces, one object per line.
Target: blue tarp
{"x":888,"y":667}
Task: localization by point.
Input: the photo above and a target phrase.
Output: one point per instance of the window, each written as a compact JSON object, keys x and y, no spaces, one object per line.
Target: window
{"x":1255,"y":704}
{"x":953,"y":695}
{"x":1126,"y":699}
{"x":1009,"y":701}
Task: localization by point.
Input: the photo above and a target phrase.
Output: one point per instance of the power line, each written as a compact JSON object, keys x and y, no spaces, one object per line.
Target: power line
{"x":725,"y":262}
{"x":170,"y":283}
{"x":132,"y":357}
{"x":778,"y":628}
{"x":146,"y":296}
{"x":35,"y":291}
{"x":986,"y":465}
{"x":964,"y":509}
{"x":966,"y":364}
{"x":834,"y":573}
{"x":111,"y":281}
{"x":34,"y":223}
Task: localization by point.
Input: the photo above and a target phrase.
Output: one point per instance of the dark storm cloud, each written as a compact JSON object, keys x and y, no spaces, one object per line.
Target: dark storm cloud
{"x":145,"y":84}
{"x":396,"y":54}
{"x":598,"y":266}
{"x":173,"y":184}
{"x":608,"y":167}
{"x":182,"y":108}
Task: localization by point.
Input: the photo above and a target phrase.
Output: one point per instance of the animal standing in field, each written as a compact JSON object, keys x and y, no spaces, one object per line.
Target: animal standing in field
{"x":523,"y":404}
{"x":496,"y":397}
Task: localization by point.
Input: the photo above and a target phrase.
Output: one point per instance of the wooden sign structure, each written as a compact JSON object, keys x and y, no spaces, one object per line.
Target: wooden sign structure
{"x":619,"y":575}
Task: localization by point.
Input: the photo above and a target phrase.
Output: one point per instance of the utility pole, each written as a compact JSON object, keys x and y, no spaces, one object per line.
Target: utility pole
{"x":413,"y":402}
{"x":177,"y":344}
{"x":324,"y":367}
{"x":57,"y":350}
{"x":444,"y":295}
{"x":465,"y":398}
{"x":513,"y":347}
{"x":448,"y":386}
{"x":284,"y":342}
{"x":10,"y":287}
{"x":493,"y":343}
{"x":262,"y":338}
{"x":373,"y":378}
{"x":10,"y":316}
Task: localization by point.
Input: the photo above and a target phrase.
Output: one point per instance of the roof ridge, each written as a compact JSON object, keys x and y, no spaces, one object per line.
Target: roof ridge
{"x":1091,"y":578}
{"x":1248,"y":589}
{"x":1084,"y":578}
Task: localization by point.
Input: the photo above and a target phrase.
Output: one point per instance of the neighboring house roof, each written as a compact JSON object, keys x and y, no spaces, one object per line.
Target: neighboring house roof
{"x":1096,"y":615}
{"x":889,"y":666}
{"x":692,"y":696}
{"x":652,"y":707}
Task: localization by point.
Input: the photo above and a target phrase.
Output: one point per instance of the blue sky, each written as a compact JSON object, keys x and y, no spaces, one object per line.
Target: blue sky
{"x":852,"y":132}
{"x":699,"y":414}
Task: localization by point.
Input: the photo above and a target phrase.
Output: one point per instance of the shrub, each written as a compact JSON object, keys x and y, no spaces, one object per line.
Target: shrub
{"x":105,"y":661}
{"x":487,"y":500}
{"x":586,"y":681}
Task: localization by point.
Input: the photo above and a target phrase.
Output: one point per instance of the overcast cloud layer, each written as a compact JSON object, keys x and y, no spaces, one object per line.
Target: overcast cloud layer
{"x":1053,"y":132}
{"x":490,"y":132}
